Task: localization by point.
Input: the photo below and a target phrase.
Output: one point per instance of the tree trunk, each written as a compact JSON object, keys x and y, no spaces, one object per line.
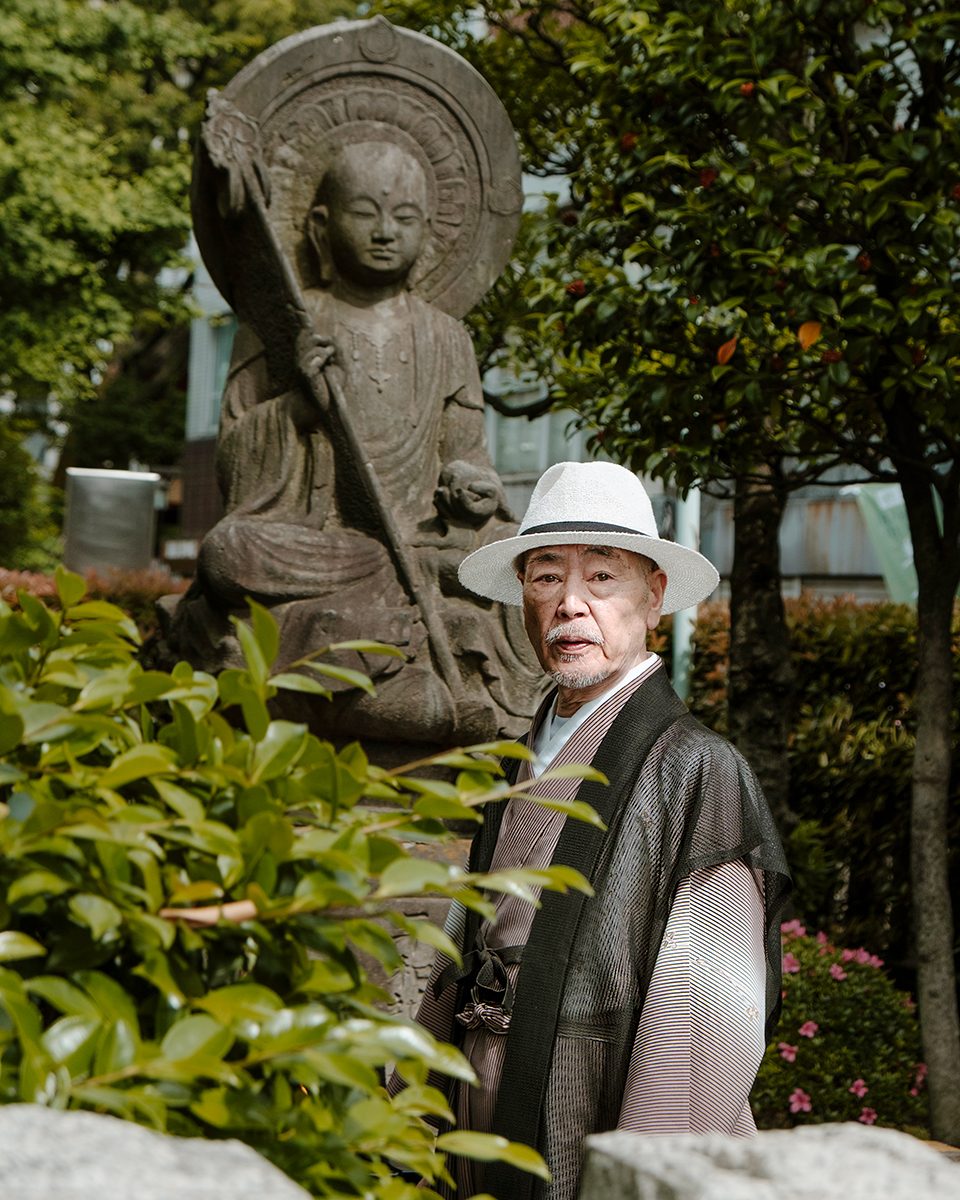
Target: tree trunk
{"x":937,"y":559}
{"x":760,"y":684}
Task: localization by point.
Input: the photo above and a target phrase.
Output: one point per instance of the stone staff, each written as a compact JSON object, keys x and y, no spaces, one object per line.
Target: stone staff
{"x":232,"y":141}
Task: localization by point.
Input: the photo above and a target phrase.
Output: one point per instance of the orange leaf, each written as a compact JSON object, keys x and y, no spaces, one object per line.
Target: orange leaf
{"x":808,"y":333}
{"x":725,"y":353}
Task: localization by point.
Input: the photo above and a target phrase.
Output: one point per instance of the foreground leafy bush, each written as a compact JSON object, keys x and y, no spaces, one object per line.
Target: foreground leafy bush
{"x":848,"y":1043}
{"x":135,"y":591}
{"x":185,"y":898}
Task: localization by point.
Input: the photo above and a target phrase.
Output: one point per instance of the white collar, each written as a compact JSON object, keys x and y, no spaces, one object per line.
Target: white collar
{"x":553,"y":732}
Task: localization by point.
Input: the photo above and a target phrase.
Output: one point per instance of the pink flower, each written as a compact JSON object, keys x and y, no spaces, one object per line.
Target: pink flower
{"x":800,"y":1101}
{"x":868,"y":1116}
{"x":918,"y":1079}
{"x":790,"y":965}
{"x":793,"y":929}
{"x":858,"y":1088}
{"x":872,"y":960}
{"x":823,"y":939}
{"x":787,"y":1051}
{"x":837,"y":971}
{"x":809,"y":1029}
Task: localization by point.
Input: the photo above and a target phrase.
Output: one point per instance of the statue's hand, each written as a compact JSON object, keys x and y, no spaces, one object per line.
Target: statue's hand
{"x":468,"y":493}
{"x":315,"y":355}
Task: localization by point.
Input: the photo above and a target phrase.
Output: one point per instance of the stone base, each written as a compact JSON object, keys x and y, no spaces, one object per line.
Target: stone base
{"x":814,"y":1162}
{"x":50,"y":1155}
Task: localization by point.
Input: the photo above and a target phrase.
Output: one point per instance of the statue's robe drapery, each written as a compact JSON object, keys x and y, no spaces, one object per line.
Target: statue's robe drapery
{"x":301,"y":534}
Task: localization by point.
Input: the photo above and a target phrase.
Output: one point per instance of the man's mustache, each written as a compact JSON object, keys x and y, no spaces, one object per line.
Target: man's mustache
{"x":577,"y":630}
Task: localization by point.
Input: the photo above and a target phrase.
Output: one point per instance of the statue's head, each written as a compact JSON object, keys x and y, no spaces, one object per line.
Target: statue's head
{"x":371,"y":214}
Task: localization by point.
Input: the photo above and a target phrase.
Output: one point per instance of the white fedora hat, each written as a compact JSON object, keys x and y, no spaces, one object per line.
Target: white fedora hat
{"x":597,"y":504}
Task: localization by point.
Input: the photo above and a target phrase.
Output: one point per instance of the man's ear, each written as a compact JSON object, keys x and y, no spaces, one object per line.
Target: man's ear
{"x":658,"y":586}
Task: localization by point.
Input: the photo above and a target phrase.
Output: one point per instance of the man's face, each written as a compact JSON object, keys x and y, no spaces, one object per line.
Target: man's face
{"x":587,"y":610}
{"x":376,"y":218}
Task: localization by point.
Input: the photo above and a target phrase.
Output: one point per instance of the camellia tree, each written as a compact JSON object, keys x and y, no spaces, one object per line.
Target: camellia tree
{"x":748,"y":279}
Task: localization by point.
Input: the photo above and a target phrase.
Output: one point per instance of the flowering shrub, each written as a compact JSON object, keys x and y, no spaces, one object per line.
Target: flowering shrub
{"x":136,"y":592}
{"x":848,"y":1043}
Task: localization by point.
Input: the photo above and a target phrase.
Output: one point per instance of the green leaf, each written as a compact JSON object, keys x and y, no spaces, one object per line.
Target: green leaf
{"x":265,"y":631}
{"x":11,"y":731}
{"x":412,"y":877}
{"x":149,"y":686}
{"x":100,"y":915}
{"x":505,"y":749}
{"x":102,"y":610}
{"x":252,"y":653}
{"x":279,"y":748}
{"x":241,"y":1002}
{"x":63,"y":995}
{"x":326,"y":978}
{"x":183,"y":803}
{"x":343,"y":1069}
{"x":300,"y":683}
{"x":210,"y":837}
{"x":71,"y":1042}
{"x":443,"y":808}
{"x":364,"y":647}
{"x":197,"y":1033}
{"x":43,"y":722}
{"x":344,"y":675}
{"x":156,"y":970}
{"x":15,"y":945}
{"x":405,"y":1040}
{"x":575,"y":771}
{"x":71,"y":588}
{"x":110,"y":997}
{"x":490,"y":1147}
{"x":117,"y":1047}
{"x":578,"y":809}
{"x":432,"y":935}
{"x":139,"y":762}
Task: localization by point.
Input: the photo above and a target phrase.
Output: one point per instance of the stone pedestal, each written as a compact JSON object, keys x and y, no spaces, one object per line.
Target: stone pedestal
{"x":51,"y":1155}
{"x":815,"y":1162}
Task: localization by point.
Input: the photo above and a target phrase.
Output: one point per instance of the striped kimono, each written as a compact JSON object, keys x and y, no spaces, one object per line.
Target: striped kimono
{"x":644,"y":1007}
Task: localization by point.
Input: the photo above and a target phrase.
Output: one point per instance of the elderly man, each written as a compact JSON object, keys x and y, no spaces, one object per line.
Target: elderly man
{"x":644,"y":1007}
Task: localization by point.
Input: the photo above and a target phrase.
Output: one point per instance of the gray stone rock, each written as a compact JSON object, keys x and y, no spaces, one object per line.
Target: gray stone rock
{"x":816,"y":1162}
{"x":51,"y":1155}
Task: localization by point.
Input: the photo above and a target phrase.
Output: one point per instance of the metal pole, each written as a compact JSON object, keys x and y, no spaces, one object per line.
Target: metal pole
{"x":688,"y":534}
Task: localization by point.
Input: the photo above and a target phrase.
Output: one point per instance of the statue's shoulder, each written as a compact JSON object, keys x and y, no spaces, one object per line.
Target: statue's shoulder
{"x":426,"y":313}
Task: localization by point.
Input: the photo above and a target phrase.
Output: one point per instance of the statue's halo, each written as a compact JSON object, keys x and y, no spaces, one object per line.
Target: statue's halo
{"x":369,"y":81}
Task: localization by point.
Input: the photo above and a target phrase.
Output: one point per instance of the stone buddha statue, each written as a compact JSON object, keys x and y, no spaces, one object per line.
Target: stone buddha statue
{"x":356,"y":191}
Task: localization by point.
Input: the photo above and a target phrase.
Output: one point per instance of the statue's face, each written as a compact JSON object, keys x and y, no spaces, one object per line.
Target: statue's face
{"x":376,"y":217}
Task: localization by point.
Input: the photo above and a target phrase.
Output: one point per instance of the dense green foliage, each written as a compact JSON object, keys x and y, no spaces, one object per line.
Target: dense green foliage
{"x":17,"y":487}
{"x":755,"y":236}
{"x":100,"y":104}
{"x":848,"y":1044}
{"x":187,"y":887}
